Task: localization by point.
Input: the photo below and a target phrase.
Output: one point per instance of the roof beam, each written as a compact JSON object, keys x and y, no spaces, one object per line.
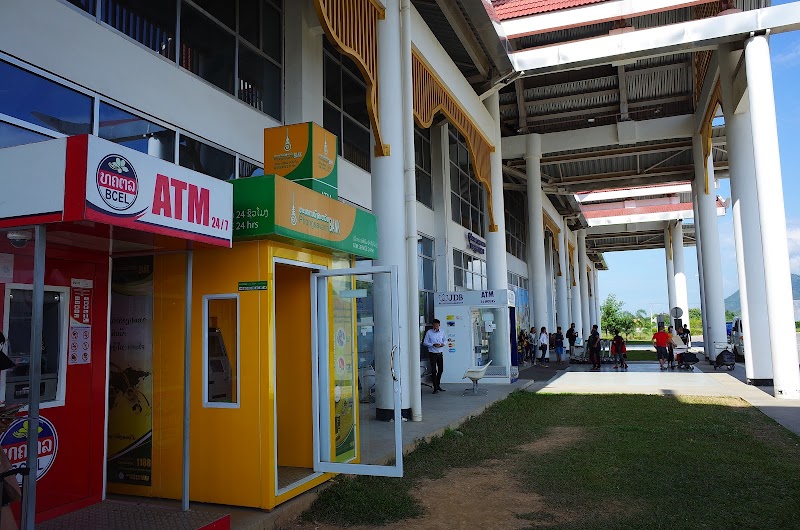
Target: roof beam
{"x":465,"y":35}
{"x":694,"y":35}
{"x":622,"y":151}
{"x":522,"y":111}
{"x":613,"y":109}
{"x":592,"y":14}
{"x":623,"y":93}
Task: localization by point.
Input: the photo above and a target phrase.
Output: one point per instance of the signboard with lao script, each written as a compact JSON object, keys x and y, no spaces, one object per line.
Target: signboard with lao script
{"x":273,"y":207}
{"x":304,"y":153}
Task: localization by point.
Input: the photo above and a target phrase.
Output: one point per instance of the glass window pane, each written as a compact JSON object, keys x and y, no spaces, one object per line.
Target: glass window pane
{"x":127,"y":129}
{"x":465,"y":216}
{"x":248,"y":169}
{"x":354,"y":99}
{"x":40,"y":101}
{"x":484,"y":283}
{"x":455,"y":206}
{"x":86,"y":5}
{"x":468,"y":281}
{"x":259,"y":82}
{"x":424,"y":189}
{"x":427,"y":274}
{"x":356,"y":142}
{"x":477,"y":225}
{"x":332,"y":121}
{"x":426,"y":152}
{"x":454,"y":173}
{"x":457,"y":258}
{"x":149,"y":22}
{"x":272,"y":27}
{"x":11,"y":135}
{"x":222,"y":10}
{"x":332,"y":79}
{"x":427,"y":246}
{"x":221,"y":350}
{"x":463,"y":185}
{"x":206,"y":159}
{"x":458,"y":277}
{"x":207,"y":50}
{"x":420,"y":272}
{"x":249,"y":16}
{"x":463,"y":157}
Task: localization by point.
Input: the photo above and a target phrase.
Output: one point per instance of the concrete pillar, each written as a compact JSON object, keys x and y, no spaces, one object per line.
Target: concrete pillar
{"x":536,"y":257}
{"x":679,"y":266}
{"x":496,"y":260}
{"x":562,"y":302}
{"x":597,"y":301}
{"x":766,"y":157}
{"x":699,"y":249}
{"x":712,"y":263}
{"x":586,"y":324}
{"x":671,"y":295}
{"x":592,"y":298}
{"x":747,"y":236}
{"x":549,"y":258}
{"x":388,"y":193}
{"x":575,"y":291}
{"x":440,"y":173}
{"x":305,"y":53}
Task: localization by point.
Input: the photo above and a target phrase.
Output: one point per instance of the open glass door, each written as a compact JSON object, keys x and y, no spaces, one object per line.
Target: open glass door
{"x":357,"y":408}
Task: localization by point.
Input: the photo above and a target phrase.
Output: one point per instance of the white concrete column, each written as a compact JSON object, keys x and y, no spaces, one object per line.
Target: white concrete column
{"x":597,"y":301}
{"x":304,"y":53}
{"x":592,"y":298}
{"x":537,"y":273}
{"x":747,"y":236}
{"x":699,"y":250}
{"x":679,"y":266}
{"x":561,"y":284}
{"x":671,"y":296}
{"x":766,"y":157}
{"x":549,"y":258}
{"x":496,"y":260}
{"x":586,"y":323}
{"x":388,"y":191}
{"x":440,"y":173}
{"x":712,"y":263}
{"x":575,"y":290}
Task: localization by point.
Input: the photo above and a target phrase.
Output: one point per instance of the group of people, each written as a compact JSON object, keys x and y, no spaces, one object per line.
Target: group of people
{"x":665,"y":343}
{"x":528,"y":344}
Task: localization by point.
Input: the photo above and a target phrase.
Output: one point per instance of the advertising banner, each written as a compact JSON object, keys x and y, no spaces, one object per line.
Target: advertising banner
{"x":344,"y":358}
{"x":304,"y":153}
{"x":80,"y":322}
{"x":123,"y":187}
{"x":130,"y":393}
{"x":273,"y":206}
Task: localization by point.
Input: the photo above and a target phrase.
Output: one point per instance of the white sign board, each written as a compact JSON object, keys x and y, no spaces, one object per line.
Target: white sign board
{"x":493,"y":297}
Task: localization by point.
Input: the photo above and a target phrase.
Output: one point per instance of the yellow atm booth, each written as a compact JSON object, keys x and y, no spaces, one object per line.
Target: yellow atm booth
{"x":282,"y":323}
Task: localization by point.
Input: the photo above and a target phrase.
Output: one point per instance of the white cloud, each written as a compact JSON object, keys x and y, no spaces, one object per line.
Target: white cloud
{"x":789,"y":57}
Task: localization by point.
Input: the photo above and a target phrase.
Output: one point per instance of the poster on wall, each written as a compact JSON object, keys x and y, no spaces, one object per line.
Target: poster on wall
{"x":344,"y":355}
{"x":130,"y":392}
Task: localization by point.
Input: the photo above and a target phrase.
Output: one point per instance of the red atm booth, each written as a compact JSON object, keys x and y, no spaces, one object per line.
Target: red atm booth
{"x":92,"y":200}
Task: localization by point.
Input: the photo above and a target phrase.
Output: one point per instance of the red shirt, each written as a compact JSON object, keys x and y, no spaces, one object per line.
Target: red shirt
{"x":661,"y":338}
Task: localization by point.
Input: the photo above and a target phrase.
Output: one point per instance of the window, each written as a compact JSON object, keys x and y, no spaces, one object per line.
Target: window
{"x":221,"y":351}
{"x":86,"y":5}
{"x":29,"y":97}
{"x":207,"y":49}
{"x":466,"y":194}
{"x":199,"y":156}
{"x":426,"y":278}
{"x":516,"y":227}
{"x":345,"y":107}
{"x":151,"y":23}
{"x":469,"y":273}
{"x":422,"y":161}
{"x":54,"y":340}
{"x":11,"y":135}
{"x":127,"y":129}
{"x":249,"y":169}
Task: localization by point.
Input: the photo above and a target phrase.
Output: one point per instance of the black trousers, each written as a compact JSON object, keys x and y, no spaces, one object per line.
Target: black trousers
{"x":437,"y":366}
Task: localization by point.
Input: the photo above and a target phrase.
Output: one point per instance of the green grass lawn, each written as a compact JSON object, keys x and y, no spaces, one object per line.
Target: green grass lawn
{"x":635,"y":462}
{"x":641,"y":355}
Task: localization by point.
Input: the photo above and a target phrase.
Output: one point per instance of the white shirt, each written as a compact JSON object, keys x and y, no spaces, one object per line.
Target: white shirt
{"x":543,"y":339}
{"x":434,"y":337}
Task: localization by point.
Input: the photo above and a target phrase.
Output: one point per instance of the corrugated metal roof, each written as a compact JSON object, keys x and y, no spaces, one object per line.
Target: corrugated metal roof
{"x":506,"y":9}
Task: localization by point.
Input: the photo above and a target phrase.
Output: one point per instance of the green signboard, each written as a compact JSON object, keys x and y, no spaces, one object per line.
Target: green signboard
{"x":273,"y":207}
{"x":253,"y":286}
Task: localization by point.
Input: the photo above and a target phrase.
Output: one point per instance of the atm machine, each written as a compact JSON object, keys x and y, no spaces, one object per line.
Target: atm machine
{"x":479,"y":327}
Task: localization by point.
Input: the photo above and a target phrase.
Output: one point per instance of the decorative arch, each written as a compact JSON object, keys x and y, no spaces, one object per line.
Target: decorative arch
{"x":352,"y":26}
{"x":430,"y":97}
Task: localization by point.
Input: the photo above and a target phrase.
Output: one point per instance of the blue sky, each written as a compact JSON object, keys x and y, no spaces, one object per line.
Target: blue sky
{"x":649,"y":291}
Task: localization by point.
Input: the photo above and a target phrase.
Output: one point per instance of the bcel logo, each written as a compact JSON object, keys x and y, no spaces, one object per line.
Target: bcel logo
{"x":15,"y":444}
{"x":117,"y":183}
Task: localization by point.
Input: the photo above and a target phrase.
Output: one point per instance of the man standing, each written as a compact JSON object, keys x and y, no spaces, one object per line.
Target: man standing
{"x":434,"y":341}
{"x":594,"y":348}
{"x":559,"y":345}
{"x":660,"y":340}
{"x":572,"y":337}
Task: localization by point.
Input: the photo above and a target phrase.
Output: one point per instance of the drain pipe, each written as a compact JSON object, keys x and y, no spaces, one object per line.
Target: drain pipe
{"x":409,"y":176}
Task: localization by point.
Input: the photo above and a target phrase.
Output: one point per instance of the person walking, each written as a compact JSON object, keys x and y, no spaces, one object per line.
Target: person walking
{"x":572,"y":337}
{"x":544,"y":344}
{"x":559,"y":339}
{"x":531,"y":345}
{"x":618,"y":350}
{"x":434,"y":340}
{"x":660,"y":340}
{"x":671,"y":348}
{"x":594,"y":348}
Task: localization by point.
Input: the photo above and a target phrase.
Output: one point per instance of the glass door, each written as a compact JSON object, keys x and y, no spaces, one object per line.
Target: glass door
{"x":356,"y":387}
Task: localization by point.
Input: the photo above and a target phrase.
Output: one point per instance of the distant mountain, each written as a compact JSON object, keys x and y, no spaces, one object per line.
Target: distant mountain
{"x":732,"y":303}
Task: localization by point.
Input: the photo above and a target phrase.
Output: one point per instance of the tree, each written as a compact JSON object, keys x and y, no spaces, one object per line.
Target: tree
{"x":695,"y":320}
{"x":611,"y":315}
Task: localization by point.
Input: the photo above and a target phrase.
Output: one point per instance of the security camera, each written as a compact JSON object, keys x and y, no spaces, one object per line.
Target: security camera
{"x":19,"y":238}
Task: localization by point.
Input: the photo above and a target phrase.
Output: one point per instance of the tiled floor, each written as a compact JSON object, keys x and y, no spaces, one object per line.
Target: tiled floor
{"x":113,"y":514}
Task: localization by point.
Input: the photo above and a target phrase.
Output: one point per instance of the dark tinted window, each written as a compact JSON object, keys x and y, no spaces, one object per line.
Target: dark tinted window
{"x":137,"y":133}
{"x":150,"y":22}
{"x":11,"y":135}
{"x":206,"y":49}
